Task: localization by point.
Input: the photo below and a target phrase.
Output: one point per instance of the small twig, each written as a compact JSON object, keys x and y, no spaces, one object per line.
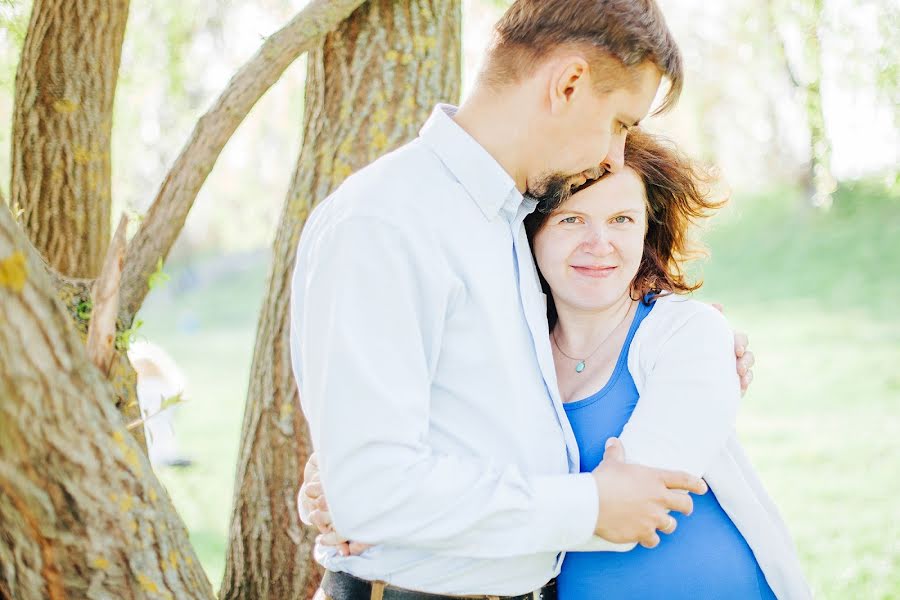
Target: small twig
{"x":105,"y":300}
{"x":166,"y":405}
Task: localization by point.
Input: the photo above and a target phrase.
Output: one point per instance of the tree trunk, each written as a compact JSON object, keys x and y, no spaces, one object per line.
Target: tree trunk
{"x":62,"y":126}
{"x":81,"y":514}
{"x":818,"y":181}
{"x":77,"y":300}
{"x":370,"y":85}
{"x":820,"y":175}
{"x":61,"y":177}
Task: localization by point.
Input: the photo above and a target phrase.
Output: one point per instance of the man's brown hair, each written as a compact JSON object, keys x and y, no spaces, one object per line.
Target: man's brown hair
{"x":630,"y":31}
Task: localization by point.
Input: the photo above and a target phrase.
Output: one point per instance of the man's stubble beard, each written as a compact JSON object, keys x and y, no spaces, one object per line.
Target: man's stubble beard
{"x":553,"y":190}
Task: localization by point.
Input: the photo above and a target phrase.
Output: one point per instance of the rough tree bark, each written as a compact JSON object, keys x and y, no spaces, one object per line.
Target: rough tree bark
{"x":81,"y":514}
{"x":62,"y":125}
{"x":370,"y":85}
{"x":61,"y":179}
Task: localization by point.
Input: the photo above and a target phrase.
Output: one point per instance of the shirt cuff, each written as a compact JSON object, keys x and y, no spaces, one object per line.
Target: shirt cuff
{"x":567,"y":508}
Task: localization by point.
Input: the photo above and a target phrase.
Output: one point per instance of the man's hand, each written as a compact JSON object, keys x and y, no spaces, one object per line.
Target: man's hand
{"x":745,"y":358}
{"x":313,"y":510}
{"x":311,"y":490}
{"x":635,"y":500}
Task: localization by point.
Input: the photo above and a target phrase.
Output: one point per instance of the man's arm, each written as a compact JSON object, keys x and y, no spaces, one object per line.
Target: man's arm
{"x":369,"y":327}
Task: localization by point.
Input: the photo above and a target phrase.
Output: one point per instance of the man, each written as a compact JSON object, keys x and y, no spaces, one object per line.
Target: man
{"x":419,"y":338}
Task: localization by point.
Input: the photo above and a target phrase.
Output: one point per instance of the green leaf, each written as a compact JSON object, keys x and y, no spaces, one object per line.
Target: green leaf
{"x":157,"y":278}
{"x":173,"y":401}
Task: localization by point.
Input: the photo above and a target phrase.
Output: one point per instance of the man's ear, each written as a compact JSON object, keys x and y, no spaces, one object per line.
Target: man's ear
{"x":568,"y":77}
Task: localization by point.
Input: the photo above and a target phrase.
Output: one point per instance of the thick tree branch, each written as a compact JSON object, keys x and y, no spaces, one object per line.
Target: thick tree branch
{"x":105,"y":296}
{"x":165,"y":219}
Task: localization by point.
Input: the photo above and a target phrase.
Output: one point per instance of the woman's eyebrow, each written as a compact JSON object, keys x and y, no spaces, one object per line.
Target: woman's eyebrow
{"x":568,"y":211}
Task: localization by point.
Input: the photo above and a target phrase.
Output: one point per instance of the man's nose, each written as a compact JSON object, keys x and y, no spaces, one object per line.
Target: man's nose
{"x":615,"y":158}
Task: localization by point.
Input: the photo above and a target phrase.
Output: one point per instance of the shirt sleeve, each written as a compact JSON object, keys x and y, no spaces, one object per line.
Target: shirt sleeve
{"x":367,"y":320}
{"x":688,"y":404}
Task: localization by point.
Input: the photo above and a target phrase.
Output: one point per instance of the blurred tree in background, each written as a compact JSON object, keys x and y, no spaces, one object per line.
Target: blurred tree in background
{"x":807,"y":17}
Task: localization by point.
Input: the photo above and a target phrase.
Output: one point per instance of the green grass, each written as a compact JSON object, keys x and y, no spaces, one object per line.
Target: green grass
{"x":816,"y":292}
{"x":210,"y":333}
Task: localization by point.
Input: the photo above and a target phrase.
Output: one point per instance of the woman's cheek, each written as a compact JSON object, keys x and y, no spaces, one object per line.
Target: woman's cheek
{"x":635,"y":254}
{"x":546,"y":254}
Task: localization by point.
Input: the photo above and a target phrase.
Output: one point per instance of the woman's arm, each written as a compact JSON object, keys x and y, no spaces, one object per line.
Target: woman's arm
{"x":689,"y":395}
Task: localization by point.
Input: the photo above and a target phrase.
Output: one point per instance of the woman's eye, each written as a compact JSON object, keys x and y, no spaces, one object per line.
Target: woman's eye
{"x":570,"y":220}
{"x":621,"y":220}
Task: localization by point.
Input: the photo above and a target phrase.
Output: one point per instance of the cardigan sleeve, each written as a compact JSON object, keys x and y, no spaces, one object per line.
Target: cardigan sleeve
{"x":689,"y":391}
{"x":689,"y":395}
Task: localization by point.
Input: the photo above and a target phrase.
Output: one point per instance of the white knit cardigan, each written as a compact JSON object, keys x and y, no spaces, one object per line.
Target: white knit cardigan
{"x":682,"y":363}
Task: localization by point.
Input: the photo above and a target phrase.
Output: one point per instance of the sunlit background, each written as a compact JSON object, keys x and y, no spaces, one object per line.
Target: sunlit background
{"x":808,"y":265}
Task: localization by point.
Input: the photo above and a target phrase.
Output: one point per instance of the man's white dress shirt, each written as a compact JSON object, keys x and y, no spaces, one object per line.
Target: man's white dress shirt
{"x":420,"y":345}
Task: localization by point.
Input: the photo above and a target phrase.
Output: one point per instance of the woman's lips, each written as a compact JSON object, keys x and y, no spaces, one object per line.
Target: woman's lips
{"x":595,"y":272}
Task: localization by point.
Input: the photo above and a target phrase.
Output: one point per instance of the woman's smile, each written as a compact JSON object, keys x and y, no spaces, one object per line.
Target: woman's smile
{"x":594,"y":272}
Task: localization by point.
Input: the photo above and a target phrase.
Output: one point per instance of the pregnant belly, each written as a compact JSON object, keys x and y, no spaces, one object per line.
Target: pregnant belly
{"x":706,"y":557}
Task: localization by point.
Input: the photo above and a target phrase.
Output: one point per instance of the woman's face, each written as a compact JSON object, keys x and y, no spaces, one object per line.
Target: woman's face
{"x":590,"y":248}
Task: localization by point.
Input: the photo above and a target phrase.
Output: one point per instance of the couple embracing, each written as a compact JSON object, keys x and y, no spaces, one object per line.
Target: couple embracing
{"x":509,"y":392}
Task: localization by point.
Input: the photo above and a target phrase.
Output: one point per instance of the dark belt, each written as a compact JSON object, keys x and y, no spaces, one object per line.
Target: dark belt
{"x":343,"y":586}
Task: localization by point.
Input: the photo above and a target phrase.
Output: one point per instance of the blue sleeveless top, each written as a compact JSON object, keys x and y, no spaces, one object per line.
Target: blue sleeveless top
{"x":706,"y":557}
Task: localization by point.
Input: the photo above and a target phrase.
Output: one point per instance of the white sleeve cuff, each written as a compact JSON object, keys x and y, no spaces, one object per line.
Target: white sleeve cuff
{"x":566,"y":509}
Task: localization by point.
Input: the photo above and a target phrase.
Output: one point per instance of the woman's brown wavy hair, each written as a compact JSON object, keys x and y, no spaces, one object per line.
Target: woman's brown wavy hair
{"x":678,"y":195}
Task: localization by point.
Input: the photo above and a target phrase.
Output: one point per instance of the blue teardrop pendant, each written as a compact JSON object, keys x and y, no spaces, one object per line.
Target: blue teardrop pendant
{"x":579,"y":367}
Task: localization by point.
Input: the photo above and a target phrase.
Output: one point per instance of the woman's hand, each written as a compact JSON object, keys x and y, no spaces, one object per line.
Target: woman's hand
{"x":313,"y":509}
{"x":745,"y":360}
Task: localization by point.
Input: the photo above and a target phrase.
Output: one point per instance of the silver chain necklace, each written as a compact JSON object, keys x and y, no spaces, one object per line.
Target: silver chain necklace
{"x":581,"y":363}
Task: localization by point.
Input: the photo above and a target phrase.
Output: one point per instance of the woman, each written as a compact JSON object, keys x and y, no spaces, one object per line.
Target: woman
{"x":637,"y":360}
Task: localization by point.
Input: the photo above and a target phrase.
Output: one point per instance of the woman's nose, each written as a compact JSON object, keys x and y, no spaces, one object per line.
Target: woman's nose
{"x":597,"y":241}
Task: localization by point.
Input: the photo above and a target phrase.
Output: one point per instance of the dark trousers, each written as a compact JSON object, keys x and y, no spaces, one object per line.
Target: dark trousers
{"x":343,"y":586}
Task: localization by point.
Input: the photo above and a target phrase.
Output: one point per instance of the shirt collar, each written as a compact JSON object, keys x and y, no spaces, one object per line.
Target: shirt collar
{"x":489,"y":185}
